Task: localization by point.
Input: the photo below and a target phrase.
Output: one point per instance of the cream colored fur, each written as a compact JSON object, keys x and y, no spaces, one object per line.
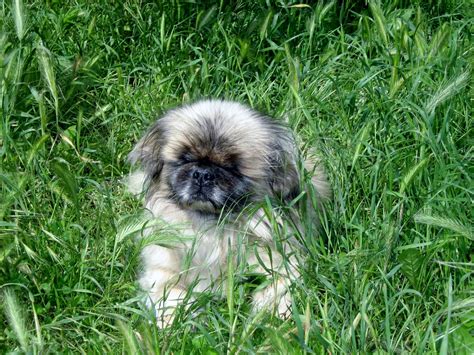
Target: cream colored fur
{"x":203,"y":257}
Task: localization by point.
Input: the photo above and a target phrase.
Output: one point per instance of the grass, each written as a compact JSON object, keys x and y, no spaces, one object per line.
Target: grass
{"x":382,"y":89}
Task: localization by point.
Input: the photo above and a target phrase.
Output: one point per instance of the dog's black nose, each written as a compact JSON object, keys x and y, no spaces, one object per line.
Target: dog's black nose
{"x":203,"y":175}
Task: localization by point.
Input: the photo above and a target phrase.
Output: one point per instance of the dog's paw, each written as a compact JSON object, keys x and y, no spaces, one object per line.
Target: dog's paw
{"x":165,"y":320}
{"x":284,"y":306}
{"x":273,"y":298}
{"x":165,"y":305}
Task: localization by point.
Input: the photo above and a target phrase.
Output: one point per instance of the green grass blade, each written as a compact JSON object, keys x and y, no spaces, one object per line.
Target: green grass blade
{"x":47,"y":70}
{"x":16,"y":318}
{"x":411,"y":174}
{"x":19,"y":18}
{"x":447,"y":91}
{"x":379,"y":19}
{"x":446,"y":223}
{"x":68,"y":183}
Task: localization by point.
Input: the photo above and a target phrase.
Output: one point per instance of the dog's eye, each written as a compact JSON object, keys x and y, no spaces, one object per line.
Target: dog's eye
{"x":230,"y":169}
{"x":187,"y":158}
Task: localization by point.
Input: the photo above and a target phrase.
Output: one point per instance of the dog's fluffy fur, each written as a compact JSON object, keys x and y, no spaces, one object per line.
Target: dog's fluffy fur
{"x":202,"y":166}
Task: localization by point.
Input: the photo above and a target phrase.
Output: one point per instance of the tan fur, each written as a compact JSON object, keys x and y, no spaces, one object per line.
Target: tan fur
{"x":218,"y":131}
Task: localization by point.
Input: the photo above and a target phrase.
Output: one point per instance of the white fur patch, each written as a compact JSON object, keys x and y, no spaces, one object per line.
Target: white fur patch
{"x":135,"y":182}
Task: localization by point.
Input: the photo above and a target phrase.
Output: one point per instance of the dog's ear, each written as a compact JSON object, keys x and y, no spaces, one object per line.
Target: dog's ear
{"x":314,"y":166}
{"x":284,"y":178}
{"x":147,"y":152}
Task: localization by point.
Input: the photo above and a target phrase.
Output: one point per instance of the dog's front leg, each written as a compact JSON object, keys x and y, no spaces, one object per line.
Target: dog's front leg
{"x":161,"y":280}
{"x":281,"y":266}
{"x":275,"y":296}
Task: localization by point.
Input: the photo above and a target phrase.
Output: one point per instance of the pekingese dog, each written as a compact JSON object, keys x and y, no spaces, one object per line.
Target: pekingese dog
{"x":203,"y":166}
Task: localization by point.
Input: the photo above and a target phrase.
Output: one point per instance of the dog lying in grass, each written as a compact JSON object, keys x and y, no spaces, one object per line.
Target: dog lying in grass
{"x":203,"y":166}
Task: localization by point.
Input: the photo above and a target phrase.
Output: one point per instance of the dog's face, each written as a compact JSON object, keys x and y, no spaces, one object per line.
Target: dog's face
{"x":213,"y":155}
{"x":207,"y":176}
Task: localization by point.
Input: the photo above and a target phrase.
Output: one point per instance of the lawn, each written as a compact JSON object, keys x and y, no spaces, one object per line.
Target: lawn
{"x":383,"y":90}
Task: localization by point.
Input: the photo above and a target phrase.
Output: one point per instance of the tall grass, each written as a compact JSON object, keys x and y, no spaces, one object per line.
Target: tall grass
{"x":382,"y":89}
